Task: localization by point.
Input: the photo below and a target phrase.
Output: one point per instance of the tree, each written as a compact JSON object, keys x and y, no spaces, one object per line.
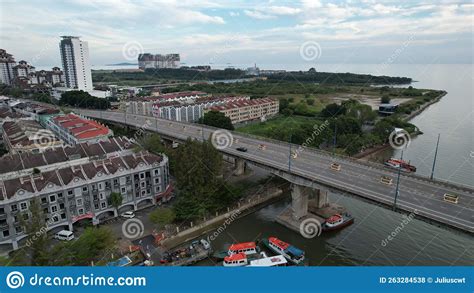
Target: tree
{"x":310,"y":102}
{"x":217,"y":119}
{"x":283,"y":104}
{"x":94,"y":245}
{"x":116,"y":200}
{"x":333,"y":110}
{"x":153,"y":143}
{"x":385,"y":99}
{"x":35,"y":228}
{"x":162,"y":216}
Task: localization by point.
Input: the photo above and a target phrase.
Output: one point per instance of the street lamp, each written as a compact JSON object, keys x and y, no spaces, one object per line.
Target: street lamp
{"x":397,"y":191}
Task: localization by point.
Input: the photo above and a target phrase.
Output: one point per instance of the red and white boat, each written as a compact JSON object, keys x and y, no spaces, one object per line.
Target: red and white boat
{"x":235,"y":260}
{"x":400,"y":164}
{"x":247,"y":248}
{"x":337,"y":221}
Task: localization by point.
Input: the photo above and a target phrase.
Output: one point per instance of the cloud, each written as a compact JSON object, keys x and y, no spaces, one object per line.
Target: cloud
{"x":258,"y":15}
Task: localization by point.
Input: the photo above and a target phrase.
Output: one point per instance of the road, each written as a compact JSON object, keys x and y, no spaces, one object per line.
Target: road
{"x":417,"y":194}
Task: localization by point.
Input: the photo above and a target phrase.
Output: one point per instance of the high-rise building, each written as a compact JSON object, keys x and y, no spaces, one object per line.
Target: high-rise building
{"x":76,"y":65}
{"x":7,"y":62}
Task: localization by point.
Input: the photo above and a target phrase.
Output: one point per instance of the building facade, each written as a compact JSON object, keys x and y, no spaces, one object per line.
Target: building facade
{"x":248,"y":110}
{"x":76,"y":64}
{"x":73,"y":184}
{"x":7,"y":62}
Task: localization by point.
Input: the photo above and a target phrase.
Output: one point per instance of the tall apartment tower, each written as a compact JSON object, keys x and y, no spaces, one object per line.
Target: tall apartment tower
{"x":7,"y":62}
{"x":76,"y":65}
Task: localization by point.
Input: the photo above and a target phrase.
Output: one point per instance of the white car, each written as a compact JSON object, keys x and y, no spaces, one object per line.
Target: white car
{"x":128,"y":215}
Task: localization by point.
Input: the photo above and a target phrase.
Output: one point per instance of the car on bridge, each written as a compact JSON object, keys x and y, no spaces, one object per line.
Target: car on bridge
{"x":386,"y":180}
{"x":451,"y":198}
{"x":262,"y":147}
{"x":335,"y":167}
{"x":241,"y":149}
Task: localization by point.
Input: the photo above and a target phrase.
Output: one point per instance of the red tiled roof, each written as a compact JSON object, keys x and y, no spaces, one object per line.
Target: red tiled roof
{"x":81,"y":128}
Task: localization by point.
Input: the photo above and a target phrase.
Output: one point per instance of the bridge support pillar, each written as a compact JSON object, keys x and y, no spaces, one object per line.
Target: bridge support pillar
{"x":239,"y":167}
{"x":299,"y":201}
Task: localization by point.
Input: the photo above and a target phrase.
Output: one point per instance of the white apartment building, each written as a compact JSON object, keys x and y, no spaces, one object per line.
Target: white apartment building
{"x":76,"y":64}
{"x":7,"y":62}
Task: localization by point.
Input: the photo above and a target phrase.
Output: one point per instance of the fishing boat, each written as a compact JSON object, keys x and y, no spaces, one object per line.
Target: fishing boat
{"x":400,"y":164}
{"x":248,"y":248}
{"x":336,"y":222}
{"x":290,"y":252}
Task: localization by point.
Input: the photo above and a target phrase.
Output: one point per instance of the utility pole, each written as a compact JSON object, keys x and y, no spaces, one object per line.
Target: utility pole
{"x":289,"y":156}
{"x":397,"y":191}
{"x":334,"y":139}
{"x":434,"y":160}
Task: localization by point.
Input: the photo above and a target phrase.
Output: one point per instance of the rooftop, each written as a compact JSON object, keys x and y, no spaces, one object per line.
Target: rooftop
{"x":81,"y":128}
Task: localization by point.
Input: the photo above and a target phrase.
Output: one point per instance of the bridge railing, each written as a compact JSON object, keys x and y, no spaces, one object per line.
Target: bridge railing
{"x":326,"y":154}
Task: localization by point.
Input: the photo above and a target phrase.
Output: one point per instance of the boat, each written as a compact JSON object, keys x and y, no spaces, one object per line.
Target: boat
{"x":290,"y":252}
{"x":271,"y":261}
{"x":248,"y":248}
{"x":400,"y":164}
{"x":235,"y":260}
{"x":336,"y":222}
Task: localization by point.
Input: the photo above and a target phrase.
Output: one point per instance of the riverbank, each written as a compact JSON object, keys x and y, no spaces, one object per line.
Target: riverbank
{"x":374,"y":151}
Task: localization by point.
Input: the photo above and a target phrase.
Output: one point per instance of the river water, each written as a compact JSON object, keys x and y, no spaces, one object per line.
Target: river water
{"x":417,"y":243}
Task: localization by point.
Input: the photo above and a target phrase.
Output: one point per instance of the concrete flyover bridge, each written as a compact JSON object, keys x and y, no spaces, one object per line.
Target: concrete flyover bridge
{"x":311,"y":169}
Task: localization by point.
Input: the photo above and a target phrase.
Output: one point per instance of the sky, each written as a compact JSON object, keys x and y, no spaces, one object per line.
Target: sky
{"x":243,"y":32}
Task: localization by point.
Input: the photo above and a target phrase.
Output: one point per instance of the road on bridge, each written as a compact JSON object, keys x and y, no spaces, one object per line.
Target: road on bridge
{"x":417,"y":194}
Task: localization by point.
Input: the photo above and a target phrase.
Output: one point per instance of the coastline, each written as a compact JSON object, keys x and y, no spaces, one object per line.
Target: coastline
{"x":364,"y":156}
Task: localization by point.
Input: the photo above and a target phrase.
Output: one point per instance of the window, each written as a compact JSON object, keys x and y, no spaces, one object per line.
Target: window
{"x":142,"y":175}
{"x":61,"y":206}
{"x":79,"y":202}
{"x":60,"y":195}
{"x":80,"y":211}
{"x":26,"y":216}
{"x":23,"y":206}
{"x":96,"y":206}
{"x":101,"y":196}
{"x":69,"y":192}
{"x":103,"y":205}
{"x":63,"y":216}
{"x":44,"y":200}
{"x":123,"y":190}
{"x":156,"y":172}
{"x":142,"y":184}
{"x":6,"y":233}
{"x":84,"y":189}
{"x":14,"y":208}
{"x":2,"y":211}
{"x":52,"y":198}
{"x":143,"y":192}
{"x":54,"y":209}
{"x":157,"y":180}
{"x":19,"y":230}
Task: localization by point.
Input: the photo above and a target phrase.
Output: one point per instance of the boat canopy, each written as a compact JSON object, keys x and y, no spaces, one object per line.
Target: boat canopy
{"x":295,"y":251}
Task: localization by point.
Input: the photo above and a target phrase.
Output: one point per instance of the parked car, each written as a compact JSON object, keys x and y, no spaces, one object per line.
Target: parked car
{"x":128,"y":215}
{"x":242,"y":149}
{"x":64,"y":235}
{"x":205,"y":244}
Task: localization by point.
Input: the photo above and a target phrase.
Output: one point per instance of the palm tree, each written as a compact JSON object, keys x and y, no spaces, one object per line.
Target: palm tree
{"x":116,"y":200}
